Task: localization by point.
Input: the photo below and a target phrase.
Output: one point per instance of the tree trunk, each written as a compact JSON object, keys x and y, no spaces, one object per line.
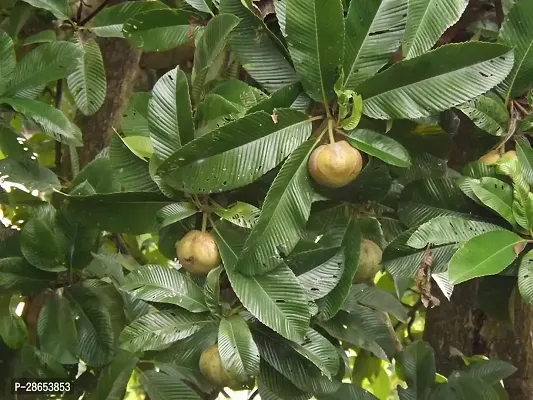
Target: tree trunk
{"x":461,"y":324}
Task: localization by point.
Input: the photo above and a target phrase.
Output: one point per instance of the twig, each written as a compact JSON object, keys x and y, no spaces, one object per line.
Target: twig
{"x":122,"y":247}
{"x":226,"y":395}
{"x":254,"y":394}
{"x":93,"y":14}
{"x":58,"y":147}
{"x":499,"y":12}
{"x":80,"y":10}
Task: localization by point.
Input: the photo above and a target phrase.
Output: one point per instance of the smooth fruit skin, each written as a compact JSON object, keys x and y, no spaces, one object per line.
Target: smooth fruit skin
{"x":212,"y":368}
{"x":198,"y":252}
{"x":490,"y":158}
{"x":369,"y":261}
{"x":335,"y":165}
{"x":509,"y":155}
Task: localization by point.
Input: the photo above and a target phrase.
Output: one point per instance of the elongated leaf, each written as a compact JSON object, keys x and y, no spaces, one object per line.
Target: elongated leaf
{"x":212,"y":290}
{"x":109,"y":21}
{"x":209,"y":47}
{"x":52,"y":120}
{"x":496,"y":195}
{"x":436,"y":81}
{"x":319,"y":350}
{"x":157,"y":330}
{"x":241,"y":214}
{"x":7,"y":60}
{"x":490,"y":371}
{"x":169,"y":114}
{"x":381,"y":146}
{"x":88,"y":83}
{"x":57,"y":330}
{"x":160,"y":386}
{"x":128,"y":212}
{"x":488,"y":113}
{"x":427,"y":20}
{"x":46,"y":36}
{"x":374,"y":30}
{"x":48,"y":62}
{"x":238,"y":351}
{"x":348,"y":391}
{"x":315,"y":34}
{"x":236,"y":154}
{"x":113,"y":379}
{"x":522,"y":196}
{"x":275,"y":298}
{"x":164,"y":285}
{"x":159,"y":30}
{"x":262,"y":57}
{"x":486,"y":254}
{"x":282,"y":98}
{"x":175,"y":212}
{"x":130,"y":171}
{"x":93,"y":323}
{"x":525,"y":156}
{"x":375,"y":298}
{"x":18,"y":275}
{"x":525,"y":277}
{"x":60,"y":8}
{"x":446,"y":230}
{"x":200,"y":5}
{"x":517,"y":31}
{"x":272,"y":385}
{"x":13,"y":330}
{"x":416,"y":363}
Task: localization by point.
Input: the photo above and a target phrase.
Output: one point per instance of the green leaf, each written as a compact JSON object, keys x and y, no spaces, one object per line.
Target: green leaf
{"x":158,"y":30}
{"x":109,"y":21}
{"x":522,"y":196}
{"x":48,"y":254}
{"x":315,"y":34}
{"x":129,"y":170}
{"x":517,"y":31}
{"x":141,"y":146}
{"x":348,"y":391}
{"x":272,"y":385}
{"x":284,"y":215}
{"x":175,"y":212}
{"x":263,"y":57}
{"x":201,"y":5}
{"x":18,"y":275}
{"x":57,"y":330}
{"x":486,"y":254}
{"x":435,"y":81}
{"x":381,"y":146}
{"x":210,"y":45}
{"x":160,"y":386}
{"x":525,"y":277}
{"x":48,"y":62}
{"x":135,"y":117}
{"x":164,"y":285}
{"x":416,"y":365}
{"x":7,"y":60}
{"x":496,"y":195}
{"x":60,"y":8}
{"x":377,"y":299}
{"x":113,"y":379}
{"x":241,"y":214}
{"x":374,"y":31}
{"x":525,"y":157}
{"x":99,"y":174}
{"x":238,"y":351}
{"x":28,"y":173}
{"x":13,"y":330}
{"x":93,"y":323}
{"x":157,"y":330}
{"x":448,"y":229}
{"x":128,"y":212}
{"x":88,"y":83}
{"x":52,"y":120}
{"x":281,"y":98}
{"x":212,"y":290}
{"x":490,"y":371}
{"x":275,"y":298}
{"x":236,"y":154}
{"x":488,"y":113}
{"x":169,"y":114}
{"x":427,"y":20}
{"x":46,"y":36}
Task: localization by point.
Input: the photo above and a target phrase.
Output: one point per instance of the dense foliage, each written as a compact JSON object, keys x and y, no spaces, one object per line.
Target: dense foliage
{"x":274,"y":216}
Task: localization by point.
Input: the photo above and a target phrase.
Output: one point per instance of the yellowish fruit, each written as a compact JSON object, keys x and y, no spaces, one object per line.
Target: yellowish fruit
{"x":335,"y":165}
{"x":369,"y":261}
{"x":490,"y":158}
{"x":198,"y":252}
{"x":212,"y":368}
{"x":509,"y":155}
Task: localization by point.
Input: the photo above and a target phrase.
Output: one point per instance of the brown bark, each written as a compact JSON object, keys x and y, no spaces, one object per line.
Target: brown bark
{"x":460,"y":324}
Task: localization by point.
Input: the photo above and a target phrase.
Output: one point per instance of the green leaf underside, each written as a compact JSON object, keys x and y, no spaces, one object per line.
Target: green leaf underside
{"x":525,"y":277}
{"x":7,"y":60}
{"x":496,"y":195}
{"x":380,"y":146}
{"x":435,"y":81}
{"x":159,"y":385}
{"x":486,"y":254}
{"x":488,"y":113}
{"x":237,"y":153}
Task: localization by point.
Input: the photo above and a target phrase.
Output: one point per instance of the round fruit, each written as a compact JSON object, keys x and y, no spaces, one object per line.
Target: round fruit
{"x":509,"y":155}
{"x":335,"y":165}
{"x":369,"y":261}
{"x":490,"y":158}
{"x":197,"y":252}
{"x":212,"y":368}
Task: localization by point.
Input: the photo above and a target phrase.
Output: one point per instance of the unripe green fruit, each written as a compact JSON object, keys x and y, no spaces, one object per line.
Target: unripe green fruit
{"x":212,"y":368}
{"x":335,"y":165}
{"x":490,"y":158}
{"x":369,"y":261}
{"x":198,"y":252}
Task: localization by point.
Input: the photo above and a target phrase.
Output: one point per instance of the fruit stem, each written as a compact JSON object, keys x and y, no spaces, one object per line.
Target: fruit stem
{"x":204,"y":221}
{"x":330,"y":131}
